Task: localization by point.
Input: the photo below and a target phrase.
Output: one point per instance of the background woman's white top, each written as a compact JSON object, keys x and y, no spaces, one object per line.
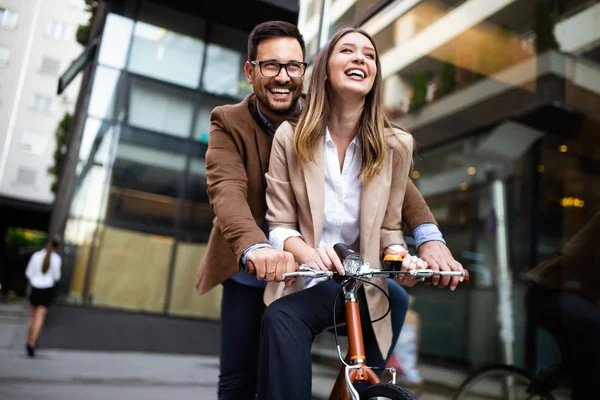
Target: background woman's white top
{"x":34,"y":272}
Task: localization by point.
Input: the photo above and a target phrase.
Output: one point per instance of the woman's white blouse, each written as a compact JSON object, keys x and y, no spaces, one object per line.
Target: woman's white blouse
{"x":341,"y":222}
{"x":34,"y":272}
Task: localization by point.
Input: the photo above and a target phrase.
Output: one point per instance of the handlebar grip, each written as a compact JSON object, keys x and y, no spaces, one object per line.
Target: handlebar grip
{"x":343,"y":251}
{"x":392,"y":257}
{"x":465,"y":277}
{"x":250,"y":268}
{"x":392,"y":262}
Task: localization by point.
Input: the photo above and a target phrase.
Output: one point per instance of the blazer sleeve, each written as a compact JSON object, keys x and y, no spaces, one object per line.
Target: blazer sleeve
{"x":281,"y":202}
{"x":416,"y":211}
{"x":228,"y":187}
{"x":391,"y":229}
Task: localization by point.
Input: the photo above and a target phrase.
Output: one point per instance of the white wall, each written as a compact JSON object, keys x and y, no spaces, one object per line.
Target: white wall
{"x":18,"y":100}
{"x":579,"y":32}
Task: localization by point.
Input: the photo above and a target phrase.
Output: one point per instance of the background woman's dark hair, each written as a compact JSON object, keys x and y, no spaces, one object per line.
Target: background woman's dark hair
{"x":52,"y":245}
{"x":270,"y":30}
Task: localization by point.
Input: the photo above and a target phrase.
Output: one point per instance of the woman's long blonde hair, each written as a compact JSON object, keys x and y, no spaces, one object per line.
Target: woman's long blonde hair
{"x":312,"y":122}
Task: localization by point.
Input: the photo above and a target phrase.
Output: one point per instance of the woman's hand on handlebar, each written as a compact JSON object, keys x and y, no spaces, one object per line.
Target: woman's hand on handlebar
{"x":408,"y":262}
{"x":324,"y":259}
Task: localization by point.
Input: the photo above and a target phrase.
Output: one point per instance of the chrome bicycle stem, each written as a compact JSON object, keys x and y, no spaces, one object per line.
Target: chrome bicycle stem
{"x":350,"y":293}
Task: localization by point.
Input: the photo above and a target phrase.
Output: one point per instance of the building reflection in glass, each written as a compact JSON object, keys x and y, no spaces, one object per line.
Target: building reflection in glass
{"x":140,"y":217}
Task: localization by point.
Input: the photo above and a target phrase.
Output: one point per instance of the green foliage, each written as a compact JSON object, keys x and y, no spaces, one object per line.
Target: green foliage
{"x":17,"y":238}
{"x":83,"y":31}
{"x":543,"y":26}
{"x":447,"y":80}
{"x":419,"y":97}
{"x":62,"y":130}
{"x":20,"y":244}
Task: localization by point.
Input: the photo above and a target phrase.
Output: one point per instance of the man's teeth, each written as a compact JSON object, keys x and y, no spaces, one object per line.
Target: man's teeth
{"x":280,"y":91}
{"x":356,"y":72}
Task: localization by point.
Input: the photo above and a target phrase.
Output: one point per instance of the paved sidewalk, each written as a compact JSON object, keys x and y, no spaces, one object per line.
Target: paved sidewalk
{"x":65,"y":375}
{"x":76,"y":375}
{"x":94,"y":375}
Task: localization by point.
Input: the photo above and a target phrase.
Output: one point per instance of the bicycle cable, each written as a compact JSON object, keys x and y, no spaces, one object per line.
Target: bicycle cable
{"x":340,"y":290}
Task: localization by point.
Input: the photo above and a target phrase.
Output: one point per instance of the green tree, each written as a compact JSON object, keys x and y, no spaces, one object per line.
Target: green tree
{"x":83,"y":31}
{"x":543,"y":26}
{"x":419,"y":97}
{"x":60,"y":134}
{"x":447,"y":80}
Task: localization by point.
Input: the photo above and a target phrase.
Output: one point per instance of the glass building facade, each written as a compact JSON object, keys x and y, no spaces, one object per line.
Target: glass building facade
{"x":139,"y":218}
{"x":495,"y":92}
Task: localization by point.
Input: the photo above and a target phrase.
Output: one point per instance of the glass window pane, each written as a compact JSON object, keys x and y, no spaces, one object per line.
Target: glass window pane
{"x":130,"y":269}
{"x":78,"y":237}
{"x":104,"y":93}
{"x":93,"y":169}
{"x":116,"y":37}
{"x":225,"y":59}
{"x":166,"y":55}
{"x":197,"y":212}
{"x":146,"y":181}
{"x":206,"y":107}
{"x":184,"y":298}
{"x":160,"y":108}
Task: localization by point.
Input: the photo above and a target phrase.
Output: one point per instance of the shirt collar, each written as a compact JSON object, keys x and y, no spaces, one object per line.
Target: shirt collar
{"x":266,"y":121}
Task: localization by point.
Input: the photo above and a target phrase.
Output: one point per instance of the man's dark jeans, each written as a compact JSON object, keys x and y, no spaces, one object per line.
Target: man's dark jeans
{"x":242,"y":309}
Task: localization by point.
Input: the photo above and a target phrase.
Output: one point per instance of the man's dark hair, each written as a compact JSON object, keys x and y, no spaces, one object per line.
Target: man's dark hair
{"x":270,"y":30}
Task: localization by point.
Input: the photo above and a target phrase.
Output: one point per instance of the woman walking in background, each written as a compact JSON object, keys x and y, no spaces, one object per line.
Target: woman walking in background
{"x":43,"y":272}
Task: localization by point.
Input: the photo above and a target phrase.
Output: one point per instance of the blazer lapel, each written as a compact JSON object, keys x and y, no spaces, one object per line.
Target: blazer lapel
{"x":264,"y":142}
{"x":369,"y":205}
{"x":314,"y":178}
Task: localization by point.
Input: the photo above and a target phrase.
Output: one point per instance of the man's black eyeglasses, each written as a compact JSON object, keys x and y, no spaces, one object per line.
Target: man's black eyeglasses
{"x":270,"y":69}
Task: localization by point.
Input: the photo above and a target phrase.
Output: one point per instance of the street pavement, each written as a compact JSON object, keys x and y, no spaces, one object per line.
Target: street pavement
{"x":75,"y":375}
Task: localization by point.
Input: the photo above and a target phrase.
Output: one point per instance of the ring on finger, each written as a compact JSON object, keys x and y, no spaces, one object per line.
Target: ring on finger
{"x":413,"y":262}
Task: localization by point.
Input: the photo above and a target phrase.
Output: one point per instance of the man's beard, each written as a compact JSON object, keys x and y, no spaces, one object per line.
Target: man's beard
{"x":272,"y":105}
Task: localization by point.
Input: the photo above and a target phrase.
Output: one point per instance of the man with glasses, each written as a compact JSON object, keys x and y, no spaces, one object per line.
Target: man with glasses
{"x":236,"y":162}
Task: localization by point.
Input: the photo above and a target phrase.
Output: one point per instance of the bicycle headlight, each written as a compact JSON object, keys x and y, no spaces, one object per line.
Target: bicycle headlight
{"x":352,"y":264}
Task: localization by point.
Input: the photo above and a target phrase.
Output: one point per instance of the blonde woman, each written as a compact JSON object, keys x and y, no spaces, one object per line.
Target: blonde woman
{"x":338,"y":175}
{"x":43,"y":272}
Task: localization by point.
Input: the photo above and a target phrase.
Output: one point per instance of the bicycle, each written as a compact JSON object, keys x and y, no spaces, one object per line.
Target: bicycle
{"x":503,"y":381}
{"x":354,"y":367}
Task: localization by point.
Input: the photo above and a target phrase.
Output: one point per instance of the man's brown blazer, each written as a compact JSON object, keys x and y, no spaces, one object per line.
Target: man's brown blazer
{"x":237,"y":160}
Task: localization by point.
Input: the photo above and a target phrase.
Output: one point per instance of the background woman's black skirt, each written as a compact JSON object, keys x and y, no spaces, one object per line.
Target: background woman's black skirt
{"x":41,"y":297}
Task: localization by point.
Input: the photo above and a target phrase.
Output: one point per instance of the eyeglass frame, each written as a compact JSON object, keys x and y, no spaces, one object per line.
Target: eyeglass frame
{"x":281,"y":65}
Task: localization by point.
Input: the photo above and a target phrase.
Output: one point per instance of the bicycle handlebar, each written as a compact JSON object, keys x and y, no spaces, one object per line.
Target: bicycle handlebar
{"x":355,"y":266}
{"x":420,"y":274}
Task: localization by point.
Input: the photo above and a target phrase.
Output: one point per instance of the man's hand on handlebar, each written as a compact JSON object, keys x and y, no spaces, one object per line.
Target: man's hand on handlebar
{"x":270,"y":264}
{"x":325,"y":259}
{"x":439,"y":258}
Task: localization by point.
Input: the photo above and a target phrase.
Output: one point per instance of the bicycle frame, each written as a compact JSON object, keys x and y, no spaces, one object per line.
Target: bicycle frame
{"x":355,"y":369}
